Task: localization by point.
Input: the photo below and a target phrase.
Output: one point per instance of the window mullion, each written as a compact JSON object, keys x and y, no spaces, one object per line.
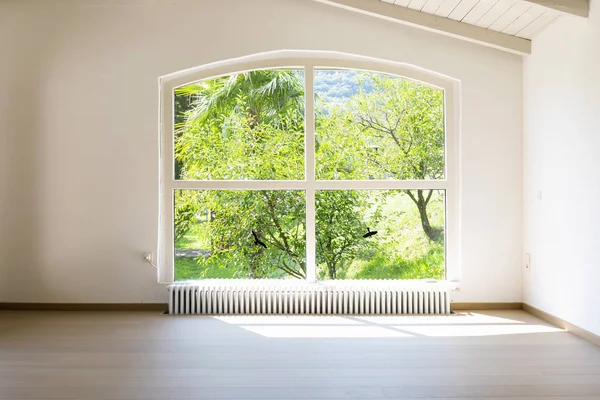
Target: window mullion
{"x":309,"y":137}
{"x":240,"y":185}
{"x":380,"y":185}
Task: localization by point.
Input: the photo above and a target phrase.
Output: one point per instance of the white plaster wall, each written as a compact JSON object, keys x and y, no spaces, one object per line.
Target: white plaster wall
{"x":5,"y":49}
{"x":562,"y":170}
{"x":81,"y":196}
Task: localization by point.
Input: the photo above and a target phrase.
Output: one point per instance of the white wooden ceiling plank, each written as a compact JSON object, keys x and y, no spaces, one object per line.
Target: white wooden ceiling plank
{"x":495,"y":12}
{"x":446,"y":8}
{"x":525,"y":19}
{"x":417,"y":4}
{"x":434,"y":23}
{"x":462,"y":9}
{"x":388,"y":1}
{"x":538,"y":24}
{"x":479,"y":11}
{"x":432,"y":6}
{"x":510,"y":16}
{"x":403,"y":3}
{"x":575,"y":7}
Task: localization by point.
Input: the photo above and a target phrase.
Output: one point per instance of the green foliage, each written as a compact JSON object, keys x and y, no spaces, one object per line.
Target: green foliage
{"x":250,"y":126}
{"x":186,"y":208}
{"x":340,"y":226}
{"x":405,"y":121}
{"x":394,"y":131}
{"x":261,"y":151}
{"x":243,"y":126}
{"x":263,"y":96}
{"x":194,"y":238}
{"x":278,"y":219}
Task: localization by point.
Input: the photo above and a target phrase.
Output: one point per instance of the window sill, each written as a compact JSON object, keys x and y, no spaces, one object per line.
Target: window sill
{"x":366,"y":283}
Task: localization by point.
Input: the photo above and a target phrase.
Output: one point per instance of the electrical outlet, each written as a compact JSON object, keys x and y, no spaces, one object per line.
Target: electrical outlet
{"x":527,"y":261}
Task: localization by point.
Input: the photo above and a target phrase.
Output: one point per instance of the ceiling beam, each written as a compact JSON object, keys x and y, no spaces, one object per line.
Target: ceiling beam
{"x":576,"y":7}
{"x":434,"y":23}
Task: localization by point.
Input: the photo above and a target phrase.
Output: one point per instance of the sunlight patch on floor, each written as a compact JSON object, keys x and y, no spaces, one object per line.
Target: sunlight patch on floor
{"x":324,"y":331}
{"x":329,"y":326}
{"x":462,"y":318}
{"x":478,"y":330}
{"x":289,"y":320}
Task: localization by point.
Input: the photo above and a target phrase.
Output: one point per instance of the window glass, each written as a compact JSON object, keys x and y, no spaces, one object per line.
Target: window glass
{"x":245,"y":126}
{"x":376,"y":126}
{"x":240,"y":234}
{"x":380,"y":234}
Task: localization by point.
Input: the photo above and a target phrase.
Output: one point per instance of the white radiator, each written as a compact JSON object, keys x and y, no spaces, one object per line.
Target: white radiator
{"x":332,"y":297}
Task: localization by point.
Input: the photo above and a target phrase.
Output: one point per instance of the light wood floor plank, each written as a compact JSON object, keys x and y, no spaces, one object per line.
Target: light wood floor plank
{"x":497,"y":355}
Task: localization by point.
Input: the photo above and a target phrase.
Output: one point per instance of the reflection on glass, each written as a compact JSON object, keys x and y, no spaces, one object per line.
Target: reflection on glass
{"x":240,"y":234}
{"x":376,"y":126}
{"x":245,"y":126}
{"x":380,"y":234}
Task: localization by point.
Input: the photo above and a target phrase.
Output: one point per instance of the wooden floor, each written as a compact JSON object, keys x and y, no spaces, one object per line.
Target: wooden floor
{"x":145,"y":355}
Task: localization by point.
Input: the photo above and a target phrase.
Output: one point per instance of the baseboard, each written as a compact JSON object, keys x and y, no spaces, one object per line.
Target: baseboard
{"x":84,"y":306}
{"x":164,"y":306}
{"x":574,"y":329}
{"x":485,"y":306}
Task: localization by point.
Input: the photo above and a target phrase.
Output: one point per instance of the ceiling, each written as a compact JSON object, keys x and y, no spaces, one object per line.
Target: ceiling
{"x":516,"y":18}
{"x":507,"y":25}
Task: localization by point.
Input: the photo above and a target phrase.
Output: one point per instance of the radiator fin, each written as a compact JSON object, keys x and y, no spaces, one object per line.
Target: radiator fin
{"x":347,"y":298}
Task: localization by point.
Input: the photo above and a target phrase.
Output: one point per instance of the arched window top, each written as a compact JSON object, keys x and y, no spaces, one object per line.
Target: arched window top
{"x":256,"y":173}
{"x":303,"y":59}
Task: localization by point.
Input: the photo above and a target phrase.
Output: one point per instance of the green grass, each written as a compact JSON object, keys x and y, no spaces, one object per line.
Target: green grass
{"x":189,"y":268}
{"x":192,"y":239}
{"x":214,"y":268}
{"x":429,"y":266}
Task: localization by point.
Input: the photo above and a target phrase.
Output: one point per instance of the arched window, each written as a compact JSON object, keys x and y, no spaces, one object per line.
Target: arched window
{"x":308,"y":167}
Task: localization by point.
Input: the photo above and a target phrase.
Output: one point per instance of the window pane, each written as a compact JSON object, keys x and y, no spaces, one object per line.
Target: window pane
{"x":380,"y":234}
{"x":375,"y":126}
{"x":240,"y":234}
{"x":245,"y":126}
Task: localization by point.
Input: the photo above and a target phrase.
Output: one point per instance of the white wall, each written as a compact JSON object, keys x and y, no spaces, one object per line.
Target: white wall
{"x":562,"y":170}
{"x":4,"y":49}
{"x":81,"y":126}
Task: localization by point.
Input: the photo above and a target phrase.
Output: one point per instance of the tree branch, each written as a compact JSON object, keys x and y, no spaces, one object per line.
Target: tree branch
{"x":412,"y":197}
{"x":275,"y":220}
{"x":428,"y":197}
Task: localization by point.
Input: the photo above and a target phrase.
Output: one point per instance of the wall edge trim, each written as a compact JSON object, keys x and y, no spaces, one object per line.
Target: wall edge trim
{"x":459,"y":306}
{"x":561,"y":323}
{"x":83,"y":306}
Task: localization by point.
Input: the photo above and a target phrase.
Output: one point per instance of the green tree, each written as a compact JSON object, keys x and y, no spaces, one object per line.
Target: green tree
{"x":395,"y":129}
{"x":406,"y":120}
{"x":340,"y":227}
{"x":276,"y":217}
{"x":251,"y":126}
{"x":260,"y":96}
{"x":247,"y":126}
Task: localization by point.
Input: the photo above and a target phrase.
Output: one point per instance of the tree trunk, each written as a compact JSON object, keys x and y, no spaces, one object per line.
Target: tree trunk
{"x":332,"y":272}
{"x":425,"y":221}
{"x":421,"y":203}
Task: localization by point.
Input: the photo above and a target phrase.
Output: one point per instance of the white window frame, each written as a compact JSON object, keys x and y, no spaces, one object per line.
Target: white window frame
{"x":308,"y":61}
